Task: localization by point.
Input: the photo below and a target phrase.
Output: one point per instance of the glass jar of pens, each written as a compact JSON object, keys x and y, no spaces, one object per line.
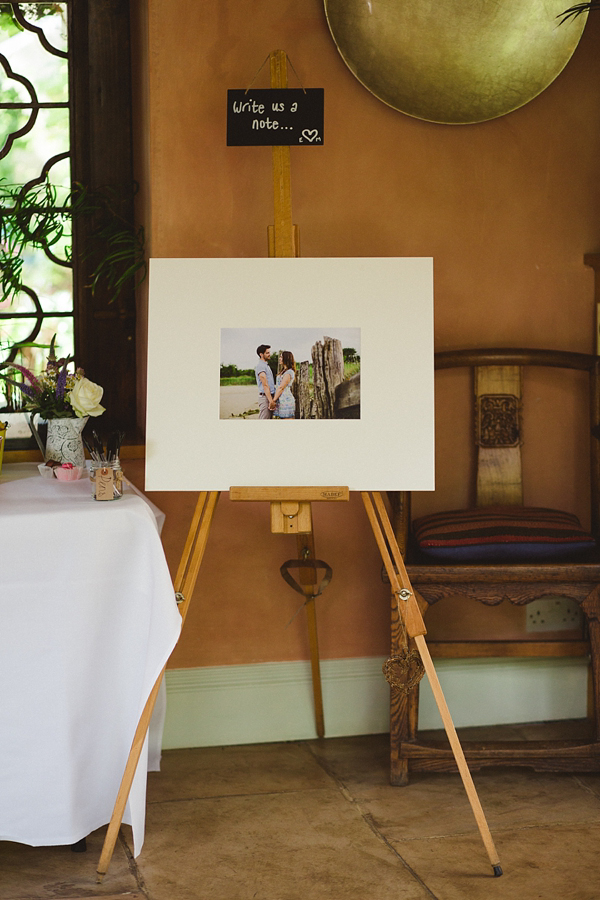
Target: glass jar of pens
{"x":106,"y":475}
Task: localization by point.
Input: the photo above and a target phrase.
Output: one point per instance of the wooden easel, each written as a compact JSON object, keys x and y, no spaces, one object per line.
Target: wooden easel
{"x":291,"y":513}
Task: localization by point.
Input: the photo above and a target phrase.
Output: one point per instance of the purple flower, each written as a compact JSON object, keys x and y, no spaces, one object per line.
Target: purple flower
{"x":61,"y":381}
{"x":29,"y":375}
{"x":28,"y":391}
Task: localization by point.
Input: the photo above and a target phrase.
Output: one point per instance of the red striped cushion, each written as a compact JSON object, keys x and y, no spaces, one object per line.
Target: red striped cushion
{"x":501,"y":532}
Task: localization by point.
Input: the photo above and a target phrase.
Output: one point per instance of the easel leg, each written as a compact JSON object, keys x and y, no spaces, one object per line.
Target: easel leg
{"x":415,"y":627}
{"x":459,"y":756}
{"x":128,"y":775}
{"x":185,"y":581}
{"x":195,"y":545}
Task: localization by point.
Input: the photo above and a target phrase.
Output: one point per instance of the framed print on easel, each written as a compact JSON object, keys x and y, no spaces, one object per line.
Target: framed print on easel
{"x":197,"y":307}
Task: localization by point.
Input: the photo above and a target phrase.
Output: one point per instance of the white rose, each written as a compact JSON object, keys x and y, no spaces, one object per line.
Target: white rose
{"x":85,"y":398}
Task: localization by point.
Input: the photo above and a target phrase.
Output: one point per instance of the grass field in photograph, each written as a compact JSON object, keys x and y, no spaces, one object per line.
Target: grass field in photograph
{"x":350,"y":369}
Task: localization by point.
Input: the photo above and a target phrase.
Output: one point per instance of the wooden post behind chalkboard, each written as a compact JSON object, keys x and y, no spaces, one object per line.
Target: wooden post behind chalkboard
{"x":284,"y":238}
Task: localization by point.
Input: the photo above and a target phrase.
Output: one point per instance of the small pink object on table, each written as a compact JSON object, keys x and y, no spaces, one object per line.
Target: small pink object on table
{"x":67,"y":472}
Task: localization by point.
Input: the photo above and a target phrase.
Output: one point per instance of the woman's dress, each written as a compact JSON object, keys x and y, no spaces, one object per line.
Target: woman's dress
{"x":285,"y":408}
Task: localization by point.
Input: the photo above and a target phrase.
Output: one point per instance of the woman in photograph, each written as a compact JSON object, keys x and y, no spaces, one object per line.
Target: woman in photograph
{"x":284,"y":402}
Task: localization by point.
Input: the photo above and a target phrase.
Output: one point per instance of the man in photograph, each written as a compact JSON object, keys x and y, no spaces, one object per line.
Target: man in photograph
{"x":265,"y":382}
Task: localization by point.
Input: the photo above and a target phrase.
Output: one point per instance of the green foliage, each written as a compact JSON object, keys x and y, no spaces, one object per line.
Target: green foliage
{"x":273,"y":363}
{"x":8,"y":23}
{"x":245,"y":415}
{"x":27,"y":219}
{"x":226,"y":381}
{"x":31,"y":11}
{"x":32,"y":217}
{"x":350,"y":355}
{"x":231,"y":371}
{"x":50,"y":407}
{"x":230,"y":374}
{"x":118,"y":251}
{"x":11,"y":118}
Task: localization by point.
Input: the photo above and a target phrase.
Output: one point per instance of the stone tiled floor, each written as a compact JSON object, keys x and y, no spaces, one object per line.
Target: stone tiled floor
{"x":318,"y":820}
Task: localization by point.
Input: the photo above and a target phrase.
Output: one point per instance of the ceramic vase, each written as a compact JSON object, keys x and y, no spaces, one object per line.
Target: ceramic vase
{"x":64,"y":442}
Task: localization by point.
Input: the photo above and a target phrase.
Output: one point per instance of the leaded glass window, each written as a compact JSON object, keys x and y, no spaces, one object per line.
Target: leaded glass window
{"x":65,"y":133}
{"x":35,"y":182}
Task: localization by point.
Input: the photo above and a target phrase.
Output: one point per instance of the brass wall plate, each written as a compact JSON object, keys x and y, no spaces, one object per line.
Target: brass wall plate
{"x":454,"y":61}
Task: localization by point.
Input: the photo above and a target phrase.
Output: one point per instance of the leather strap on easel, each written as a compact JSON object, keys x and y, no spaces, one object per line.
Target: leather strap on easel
{"x":305,"y":564}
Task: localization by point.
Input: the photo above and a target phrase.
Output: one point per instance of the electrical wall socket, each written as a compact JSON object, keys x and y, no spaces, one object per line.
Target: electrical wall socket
{"x":553,"y":614}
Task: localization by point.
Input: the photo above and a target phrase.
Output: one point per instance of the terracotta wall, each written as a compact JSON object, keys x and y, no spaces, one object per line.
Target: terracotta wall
{"x":506,"y":208}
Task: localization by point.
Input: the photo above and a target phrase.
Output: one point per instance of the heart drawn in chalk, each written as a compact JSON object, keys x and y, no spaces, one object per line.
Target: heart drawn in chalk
{"x":310,"y":136}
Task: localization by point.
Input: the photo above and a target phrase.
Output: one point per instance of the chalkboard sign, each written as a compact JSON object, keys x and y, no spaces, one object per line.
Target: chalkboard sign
{"x":275,"y":117}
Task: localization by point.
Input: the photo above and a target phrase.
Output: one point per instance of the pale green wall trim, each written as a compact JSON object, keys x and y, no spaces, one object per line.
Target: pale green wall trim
{"x":272,"y":702}
{"x":505,"y":691}
{"x":266,"y":702}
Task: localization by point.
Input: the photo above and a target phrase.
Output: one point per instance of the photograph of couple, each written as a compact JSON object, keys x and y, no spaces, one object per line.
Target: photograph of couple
{"x":294,"y":373}
{"x":275,"y":400}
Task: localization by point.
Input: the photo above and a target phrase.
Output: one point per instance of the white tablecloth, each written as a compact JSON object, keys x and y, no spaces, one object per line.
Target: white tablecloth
{"x":88,"y":619}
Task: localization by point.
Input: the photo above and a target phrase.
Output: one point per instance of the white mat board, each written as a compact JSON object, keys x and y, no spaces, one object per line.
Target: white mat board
{"x":387,"y":301}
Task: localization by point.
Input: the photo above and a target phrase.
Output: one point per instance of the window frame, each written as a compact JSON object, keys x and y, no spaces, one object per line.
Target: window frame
{"x":101,"y":157}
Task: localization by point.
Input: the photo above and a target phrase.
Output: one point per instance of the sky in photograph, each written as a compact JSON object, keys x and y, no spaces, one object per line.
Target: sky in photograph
{"x":238,"y":345}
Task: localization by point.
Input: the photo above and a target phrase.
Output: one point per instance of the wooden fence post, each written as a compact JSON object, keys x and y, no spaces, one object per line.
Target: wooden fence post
{"x":347,"y":398}
{"x":303,"y":402}
{"x":328,"y":372}
{"x":328,"y":375}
